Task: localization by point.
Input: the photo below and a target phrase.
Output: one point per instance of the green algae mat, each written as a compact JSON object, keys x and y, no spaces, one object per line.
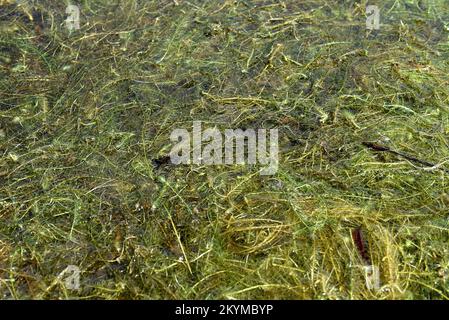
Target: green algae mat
{"x":355,"y":93}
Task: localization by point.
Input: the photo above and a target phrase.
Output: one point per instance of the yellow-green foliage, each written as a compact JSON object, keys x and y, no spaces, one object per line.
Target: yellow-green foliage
{"x":85,"y":120}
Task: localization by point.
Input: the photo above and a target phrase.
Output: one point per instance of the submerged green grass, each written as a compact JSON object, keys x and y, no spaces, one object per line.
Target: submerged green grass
{"x":85,"y":119}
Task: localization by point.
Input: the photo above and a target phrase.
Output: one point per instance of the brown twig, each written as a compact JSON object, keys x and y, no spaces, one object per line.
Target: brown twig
{"x":378,"y":147}
{"x":361,"y":245}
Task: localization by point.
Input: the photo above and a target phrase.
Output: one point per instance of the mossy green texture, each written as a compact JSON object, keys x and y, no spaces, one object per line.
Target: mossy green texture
{"x":85,"y":120}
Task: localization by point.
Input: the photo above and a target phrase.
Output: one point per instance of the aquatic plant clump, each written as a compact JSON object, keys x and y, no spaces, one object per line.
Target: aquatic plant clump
{"x":353,"y":93}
